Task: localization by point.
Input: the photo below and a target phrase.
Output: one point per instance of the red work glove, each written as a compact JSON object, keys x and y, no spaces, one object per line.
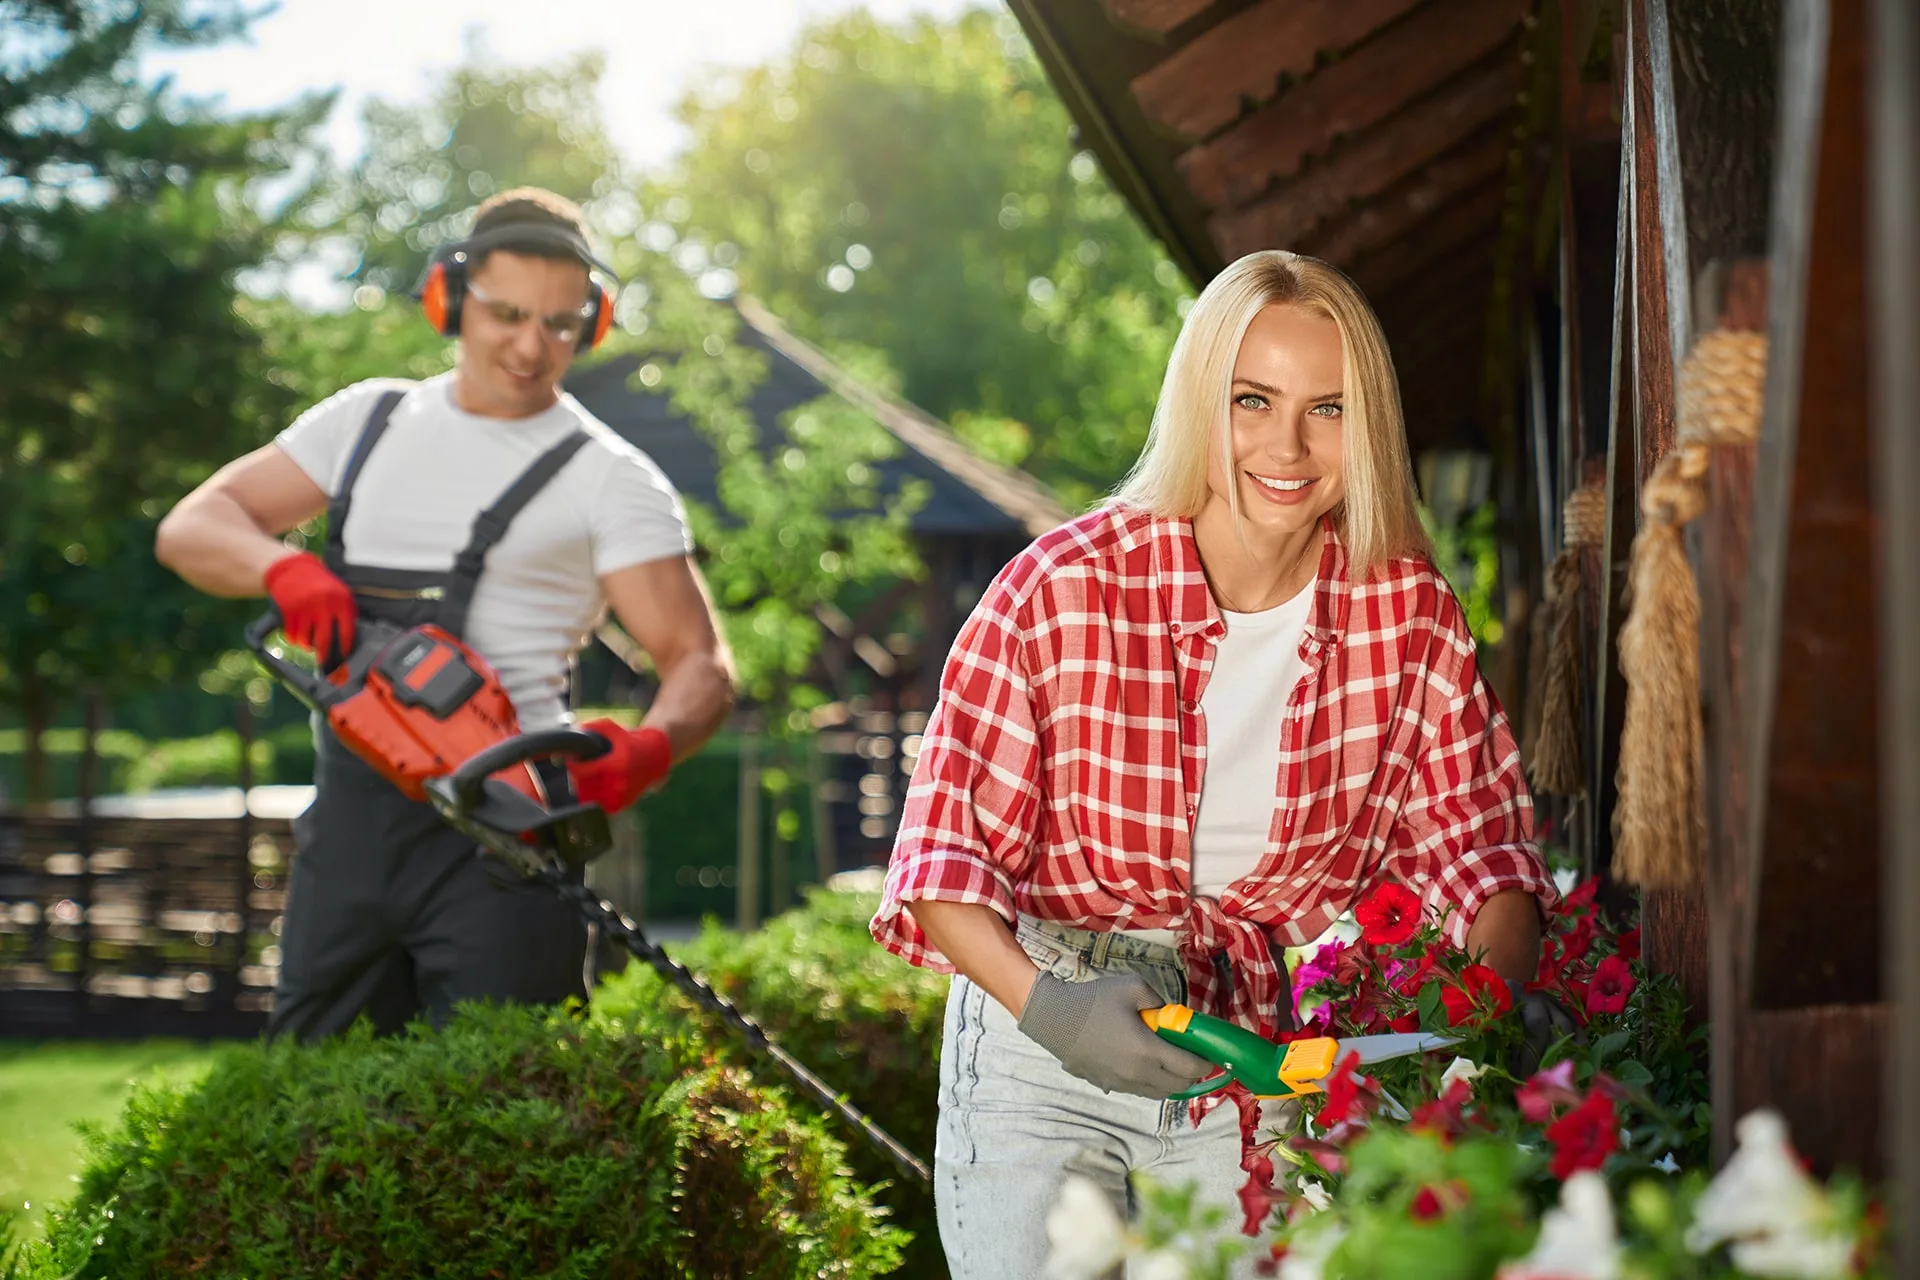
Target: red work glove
{"x":316,"y":608}
{"x":637,"y":763}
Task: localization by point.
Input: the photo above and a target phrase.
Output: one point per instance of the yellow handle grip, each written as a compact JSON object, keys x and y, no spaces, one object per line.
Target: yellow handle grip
{"x":1168,"y":1017}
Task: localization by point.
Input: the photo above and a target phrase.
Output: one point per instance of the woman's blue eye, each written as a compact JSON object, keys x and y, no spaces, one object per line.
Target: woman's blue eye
{"x":1336,"y":409}
{"x":1251,"y":401}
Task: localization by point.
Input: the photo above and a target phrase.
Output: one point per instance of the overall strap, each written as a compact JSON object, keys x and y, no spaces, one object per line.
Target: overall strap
{"x":335,"y":554}
{"x":491,"y":526}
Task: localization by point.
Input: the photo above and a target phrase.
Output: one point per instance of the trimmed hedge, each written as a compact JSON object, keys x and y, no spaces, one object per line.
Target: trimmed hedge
{"x":514,"y":1143}
{"x":863,"y":1020}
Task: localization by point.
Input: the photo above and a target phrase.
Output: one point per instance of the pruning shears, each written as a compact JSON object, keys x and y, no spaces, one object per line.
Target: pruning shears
{"x":1270,"y":1070}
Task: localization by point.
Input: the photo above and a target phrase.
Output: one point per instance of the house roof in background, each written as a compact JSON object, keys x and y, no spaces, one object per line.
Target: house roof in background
{"x":969,"y":495}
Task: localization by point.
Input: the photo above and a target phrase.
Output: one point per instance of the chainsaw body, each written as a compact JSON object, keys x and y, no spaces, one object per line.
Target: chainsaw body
{"x":419,"y":706}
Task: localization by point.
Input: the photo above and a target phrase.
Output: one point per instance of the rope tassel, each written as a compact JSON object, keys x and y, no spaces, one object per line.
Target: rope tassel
{"x":1556,"y":761}
{"x":1660,"y":830}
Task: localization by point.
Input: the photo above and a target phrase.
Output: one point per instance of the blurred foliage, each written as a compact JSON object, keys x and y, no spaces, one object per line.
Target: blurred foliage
{"x":125,"y":218}
{"x":914,"y":189}
{"x":800,"y":520}
{"x":1468,"y":553}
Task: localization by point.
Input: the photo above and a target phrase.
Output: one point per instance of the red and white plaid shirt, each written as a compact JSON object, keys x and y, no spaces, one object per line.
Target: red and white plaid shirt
{"x":1060,"y":773}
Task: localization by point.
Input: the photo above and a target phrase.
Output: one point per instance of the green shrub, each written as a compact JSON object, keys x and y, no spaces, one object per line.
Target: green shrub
{"x":514,"y":1143}
{"x":862,"y":1019}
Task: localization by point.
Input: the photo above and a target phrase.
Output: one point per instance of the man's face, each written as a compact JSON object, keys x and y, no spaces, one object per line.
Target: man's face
{"x":515,"y":339}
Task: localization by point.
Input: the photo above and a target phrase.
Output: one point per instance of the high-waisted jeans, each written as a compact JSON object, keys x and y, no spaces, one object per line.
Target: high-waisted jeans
{"x":1014,"y":1123}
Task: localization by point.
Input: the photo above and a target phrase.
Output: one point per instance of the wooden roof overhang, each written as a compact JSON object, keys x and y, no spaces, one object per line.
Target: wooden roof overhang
{"x":1380,"y":135}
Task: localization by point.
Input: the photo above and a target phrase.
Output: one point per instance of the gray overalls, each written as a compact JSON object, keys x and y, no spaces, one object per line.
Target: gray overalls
{"x":390,"y":912}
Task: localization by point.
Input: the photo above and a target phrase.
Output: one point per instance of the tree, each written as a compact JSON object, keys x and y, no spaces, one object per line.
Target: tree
{"x":126,"y":219}
{"x":484,"y":129}
{"x":915,"y":189}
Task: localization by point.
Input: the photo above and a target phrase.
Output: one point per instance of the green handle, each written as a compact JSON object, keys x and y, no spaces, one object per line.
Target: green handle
{"x":1247,"y":1056}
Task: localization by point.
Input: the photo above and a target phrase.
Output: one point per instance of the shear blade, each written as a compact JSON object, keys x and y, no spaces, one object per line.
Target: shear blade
{"x":1371,"y":1049}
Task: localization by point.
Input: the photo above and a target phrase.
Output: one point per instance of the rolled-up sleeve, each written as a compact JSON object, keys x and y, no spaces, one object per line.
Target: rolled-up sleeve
{"x":1465,"y":831}
{"x":967,"y":833}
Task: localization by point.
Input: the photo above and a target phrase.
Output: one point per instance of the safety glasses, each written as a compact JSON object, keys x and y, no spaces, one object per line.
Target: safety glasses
{"x":561,"y":326}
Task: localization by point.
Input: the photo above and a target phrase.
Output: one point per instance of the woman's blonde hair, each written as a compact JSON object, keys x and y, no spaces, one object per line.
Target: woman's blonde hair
{"x":1378,"y":517}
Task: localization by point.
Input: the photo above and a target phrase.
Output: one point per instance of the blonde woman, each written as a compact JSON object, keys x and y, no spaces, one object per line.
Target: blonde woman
{"x":1182,"y":732}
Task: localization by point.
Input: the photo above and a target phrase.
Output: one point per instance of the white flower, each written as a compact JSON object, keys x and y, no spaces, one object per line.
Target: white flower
{"x":1460,"y":1069}
{"x":1157,"y":1264}
{"x":1576,"y":1241}
{"x":1306,"y":1259}
{"x":1777,"y":1218}
{"x":1315,"y":1195}
{"x":1084,"y":1232}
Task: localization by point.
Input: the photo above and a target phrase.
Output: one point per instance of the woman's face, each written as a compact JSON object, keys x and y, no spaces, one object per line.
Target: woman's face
{"x":1288,"y":436}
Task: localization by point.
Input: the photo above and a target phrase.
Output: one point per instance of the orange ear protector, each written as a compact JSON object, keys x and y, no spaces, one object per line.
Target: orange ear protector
{"x":444,"y":291}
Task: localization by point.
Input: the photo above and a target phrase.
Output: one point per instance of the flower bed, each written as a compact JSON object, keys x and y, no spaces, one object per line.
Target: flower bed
{"x":1492,"y":1158}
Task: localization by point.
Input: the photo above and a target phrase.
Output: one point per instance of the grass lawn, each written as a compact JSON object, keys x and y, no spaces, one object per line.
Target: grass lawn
{"x":47,"y":1085}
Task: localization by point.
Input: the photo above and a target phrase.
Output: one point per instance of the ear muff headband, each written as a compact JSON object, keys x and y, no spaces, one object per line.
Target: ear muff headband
{"x":444,"y":291}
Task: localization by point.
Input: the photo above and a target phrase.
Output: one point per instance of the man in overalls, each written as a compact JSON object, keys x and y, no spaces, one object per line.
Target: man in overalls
{"x":490,"y":502}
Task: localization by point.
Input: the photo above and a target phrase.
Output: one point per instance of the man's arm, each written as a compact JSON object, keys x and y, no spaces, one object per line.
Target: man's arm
{"x":664,"y":606}
{"x":223,"y":535}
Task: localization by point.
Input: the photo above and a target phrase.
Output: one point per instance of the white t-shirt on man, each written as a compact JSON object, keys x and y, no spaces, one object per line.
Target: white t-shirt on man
{"x":437,"y":467}
{"x":1256,"y":666}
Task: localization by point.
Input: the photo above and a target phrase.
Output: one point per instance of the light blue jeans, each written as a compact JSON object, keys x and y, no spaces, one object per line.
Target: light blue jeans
{"x":1014,"y":1123}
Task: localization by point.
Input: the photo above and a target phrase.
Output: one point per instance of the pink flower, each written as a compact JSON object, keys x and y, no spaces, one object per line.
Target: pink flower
{"x":1547,"y":1092}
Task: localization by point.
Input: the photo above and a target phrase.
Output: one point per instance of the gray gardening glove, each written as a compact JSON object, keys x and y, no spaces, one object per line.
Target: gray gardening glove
{"x":1545,"y":1022}
{"x":1094,"y":1028}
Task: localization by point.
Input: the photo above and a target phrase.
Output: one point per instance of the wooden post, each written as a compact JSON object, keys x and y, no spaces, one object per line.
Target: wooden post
{"x":826,"y":856}
{"x":243,"y":854}
{"x":1894,"y":252}
{"x":746,"y":888}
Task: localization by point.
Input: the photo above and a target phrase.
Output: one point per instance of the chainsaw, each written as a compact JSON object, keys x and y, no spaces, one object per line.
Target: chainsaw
{"x":432,"y":717}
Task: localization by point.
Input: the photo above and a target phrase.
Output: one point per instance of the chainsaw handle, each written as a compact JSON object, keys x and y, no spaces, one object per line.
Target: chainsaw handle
{"x":468,"y":779}
{"x":308,"y":686}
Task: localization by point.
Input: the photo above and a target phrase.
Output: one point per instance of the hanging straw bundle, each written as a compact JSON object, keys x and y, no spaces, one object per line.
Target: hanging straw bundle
{"x":1552,"y":744}
{"x":1660,"y":823}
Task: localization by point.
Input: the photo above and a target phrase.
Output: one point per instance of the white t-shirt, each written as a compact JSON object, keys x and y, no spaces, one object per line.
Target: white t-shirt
{"x":437,"y":467}
{"x":1256,"y":666}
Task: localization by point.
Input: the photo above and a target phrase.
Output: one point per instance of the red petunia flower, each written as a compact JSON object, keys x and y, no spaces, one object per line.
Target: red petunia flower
{"x":1389,"y":916}
{"x":1584,"y":1137}
{"x":1349,"y":1094}
{"x":1445,"y":1115}
{"x":1575,"y":942}
{"x":1409,"y":981}
{"x":1480,"y":988}
{"x":1436,"y":1200}
{"x":1613,"y":982}
{"x":1628,"y":943}
{"x":1584,"y":893}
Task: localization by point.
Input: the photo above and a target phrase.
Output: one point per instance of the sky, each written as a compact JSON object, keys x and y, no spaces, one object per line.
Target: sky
{"x":396,"y":49}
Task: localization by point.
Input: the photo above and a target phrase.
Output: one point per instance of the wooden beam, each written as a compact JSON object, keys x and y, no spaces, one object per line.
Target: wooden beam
{"x":1371,"y":163}
{"x":1201,"y":87}
{"x":1894,"y":249}
{"x":1469,"y":222}
{"x":1817,"y":858}
{"x":1395,"y":215}
{"x":1153,"y":18}
{"x":1366,"y":86}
